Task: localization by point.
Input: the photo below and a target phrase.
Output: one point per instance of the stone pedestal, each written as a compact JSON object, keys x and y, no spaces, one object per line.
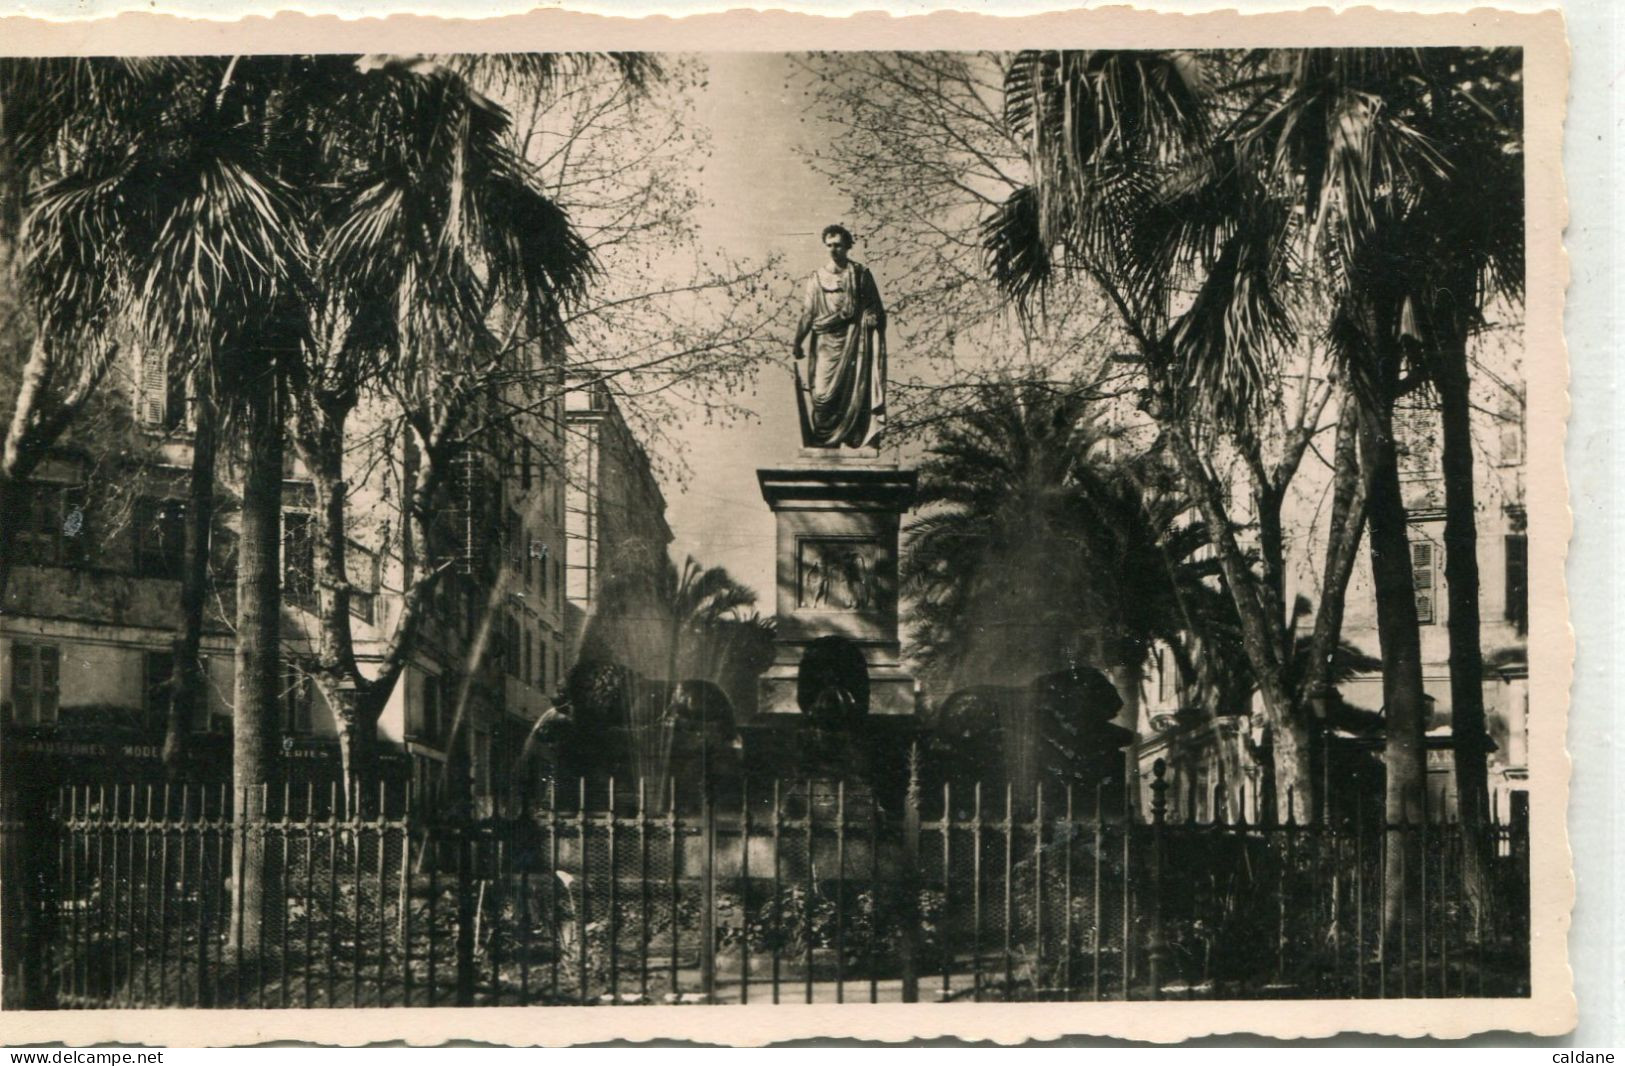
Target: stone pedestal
{"x":838,"y":512}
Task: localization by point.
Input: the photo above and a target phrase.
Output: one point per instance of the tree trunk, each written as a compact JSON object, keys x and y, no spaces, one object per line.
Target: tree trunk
{"x":1272,"y":553}
{"x":1347,"y":527}
{"x":1342,"y":551}
{"x":1293,"y":783}
{"x":358,"y":734}
{"x":186,"y":691}
{"x":1471,"y":743}
{"x":38,"y":420}
{"x":1404,"y":709}
{"x":1289,"y":780}
{"x":358,"y":701}
{"x":21,"y":453}
{"x":320,"y":438}
{"x":1261,"y":631}
{"x":259,"y":652}
{"x":13,"y":506}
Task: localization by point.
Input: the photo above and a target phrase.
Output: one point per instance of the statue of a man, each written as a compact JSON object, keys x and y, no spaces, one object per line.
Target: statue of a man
{"x":842,"y":336}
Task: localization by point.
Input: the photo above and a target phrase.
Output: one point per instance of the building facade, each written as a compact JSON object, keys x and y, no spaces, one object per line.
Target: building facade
{"x":89,"y":620}
{"x":616,"y":528}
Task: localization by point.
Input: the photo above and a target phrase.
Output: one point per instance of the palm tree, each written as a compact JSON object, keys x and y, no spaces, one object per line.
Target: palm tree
{"x":1453,"y":240}
{"x":238,"y":219}
{"x":1154,"y":576}
{"x":686,"y":622}
{"x":1038,"y":548}
{"x":731,"y":652}
{"x":448,"y":224}
{"x":56,"y":346}
{"x":1137,"y":186}
{"x":183,"y":217}
{"x":995,"y":565}
{"x":55,"y":352}
{"x":186,"y":693}
{"x":1344,"y":157}
{"x":696,"y":599}
{"x":1418,"y":158}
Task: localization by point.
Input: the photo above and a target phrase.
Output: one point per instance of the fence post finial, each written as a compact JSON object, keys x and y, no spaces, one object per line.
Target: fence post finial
{"x":1159,"y":790}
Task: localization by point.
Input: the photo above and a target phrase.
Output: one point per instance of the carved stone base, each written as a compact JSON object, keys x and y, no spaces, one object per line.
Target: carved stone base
{"x":836,"y":596}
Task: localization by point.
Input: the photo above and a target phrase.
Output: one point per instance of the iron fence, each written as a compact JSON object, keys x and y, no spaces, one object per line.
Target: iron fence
{"x":761,"y":892}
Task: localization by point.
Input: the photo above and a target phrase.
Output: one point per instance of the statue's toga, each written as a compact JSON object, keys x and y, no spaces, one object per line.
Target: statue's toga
{"x":842,"y":335}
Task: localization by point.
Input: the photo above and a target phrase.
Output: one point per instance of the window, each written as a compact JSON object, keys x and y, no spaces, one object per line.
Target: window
{"x":37,"y":537}
{"x":1424,"y":566}
{"x":211,"y":715}
{"x":160,"y":538}
{"x":1165,"y":677}
{"x":524,"y":465}
{"x":1416,"y":436}
{"x":528,"y":674}
{"x":515,"y":539}
{"x":75,"y":542}
{"x":482,"y":763}
{"x":52,"y":531}
{"x":35,"y":679}
{"x":299,"y":558}
{"x":362,"y":572}
{"x":158,"y":672}
{"x":297,"y":697}
{"x":541,"y":664}
{"x":510,"y":646}
{"x":223,"y":554}
{"x":1517,"y":581}
{"x":1510,"y":420}
{"x":442,"y":599}
{"x":160,"y":396}
{"x":429,"y":713}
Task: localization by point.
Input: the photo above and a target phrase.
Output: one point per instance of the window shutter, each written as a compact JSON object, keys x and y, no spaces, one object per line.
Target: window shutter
{"x":1423,"y":564}
{"x":41,"y":534}
{"x":152,"y":393}
{"x":428,"y":724}
{"x":361,"y":570}
{"x":1517,"y":581}
{"x":22,"y":683}
{"x":1511,"y":427}
{"x":46,"y":682}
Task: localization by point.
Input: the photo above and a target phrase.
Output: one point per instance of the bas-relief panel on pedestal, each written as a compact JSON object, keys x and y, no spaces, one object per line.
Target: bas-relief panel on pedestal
{"x":842,"y":574}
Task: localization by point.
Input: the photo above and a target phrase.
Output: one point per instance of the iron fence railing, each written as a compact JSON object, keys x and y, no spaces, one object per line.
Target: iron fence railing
{"x":761,"y":891}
